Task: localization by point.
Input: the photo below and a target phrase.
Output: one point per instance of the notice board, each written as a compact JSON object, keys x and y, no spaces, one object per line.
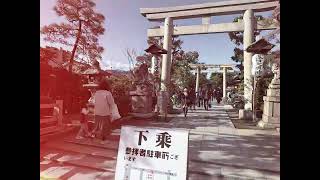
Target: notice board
{"x":148,"y":153}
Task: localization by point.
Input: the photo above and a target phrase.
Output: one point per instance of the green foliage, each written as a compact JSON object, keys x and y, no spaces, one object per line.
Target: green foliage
{"x":203,"y":81}
{"x":237,"y":38}
{"x":181,"y":75}
{"x":120,"y":87}
{"x":217,"y":79}
{"x":261,"y":87}
{"x":181,"y":71}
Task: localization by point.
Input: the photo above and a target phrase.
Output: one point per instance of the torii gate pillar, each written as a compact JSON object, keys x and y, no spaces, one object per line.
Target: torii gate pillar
{"x":249,"y":22}
{"x":198,"y":79}
{"x":248,"y":35}
{"x":166,"y":65}
{"x":224,"y":82}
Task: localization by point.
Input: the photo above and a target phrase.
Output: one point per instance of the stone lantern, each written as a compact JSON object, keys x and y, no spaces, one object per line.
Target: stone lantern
{"x":271,"y":109}
{"x":94,"y":75}
{"x":162,"y":96}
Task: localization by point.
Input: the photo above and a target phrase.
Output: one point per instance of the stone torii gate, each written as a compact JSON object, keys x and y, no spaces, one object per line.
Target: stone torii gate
{"x":205,"y":11}
{"x":224,"y":67}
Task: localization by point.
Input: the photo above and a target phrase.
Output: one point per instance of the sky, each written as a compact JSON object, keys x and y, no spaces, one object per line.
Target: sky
{"x":127,"y":28}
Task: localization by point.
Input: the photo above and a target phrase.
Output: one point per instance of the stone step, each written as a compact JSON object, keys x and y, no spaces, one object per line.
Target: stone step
{"x":48,"y":120}
{"x":53,"y":170}
{"x":48,"y":130}
{"x":83,"y":149}
{"x":112,"y":145}
{"x":56,"y":134}
{"x":66,"y":158}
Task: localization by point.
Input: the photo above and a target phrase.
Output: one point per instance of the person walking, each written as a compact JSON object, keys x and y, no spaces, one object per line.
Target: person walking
{"x":218,"y":95}
{"x":205,"y":98}
{"x":103,"y":102}
{"x":213,"y":94}
{"x":185,"y":101}
{"x":193,"y":98}
{"x":200,"y":98}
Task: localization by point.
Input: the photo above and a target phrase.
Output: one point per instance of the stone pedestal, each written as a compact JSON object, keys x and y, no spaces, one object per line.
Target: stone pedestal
{"x":141,"y":101}
{"x":245,"y":114}
{"x":224,"y":100}
{"x":271,"y":109}
{"x":163,"y":102}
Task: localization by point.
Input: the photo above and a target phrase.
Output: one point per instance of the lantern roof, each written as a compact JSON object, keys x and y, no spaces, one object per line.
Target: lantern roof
{"x":262,"y":46}
{"x":155,"y":49}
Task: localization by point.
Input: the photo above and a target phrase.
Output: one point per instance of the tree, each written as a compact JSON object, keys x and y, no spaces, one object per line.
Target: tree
{"x":46,"y":54}
{"x":80,"y":31}
{"x":121,"y":85}
{"x":181,"y":75}
{"x":176,"y":49}
{"x":275,"y":35}
{"x":131,"y":55}
{"x":237,"y":38}
{"x":217,"y":79}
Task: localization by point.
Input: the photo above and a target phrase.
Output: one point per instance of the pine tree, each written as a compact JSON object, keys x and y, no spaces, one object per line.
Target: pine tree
{"x":80,"y":31}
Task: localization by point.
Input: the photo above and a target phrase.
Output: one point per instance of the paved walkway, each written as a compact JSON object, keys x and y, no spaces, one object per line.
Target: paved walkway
{"x":217,"y":150}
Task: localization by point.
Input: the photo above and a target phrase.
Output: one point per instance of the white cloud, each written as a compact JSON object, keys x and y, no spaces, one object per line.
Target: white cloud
{"x":115,"y":66}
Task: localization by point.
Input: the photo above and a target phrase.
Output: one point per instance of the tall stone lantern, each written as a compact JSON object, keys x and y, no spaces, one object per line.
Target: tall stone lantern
{"x":162,"y":96}
{"x":271,"y":109}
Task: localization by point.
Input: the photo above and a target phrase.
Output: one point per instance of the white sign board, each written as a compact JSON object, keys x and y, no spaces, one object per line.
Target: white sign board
{"x":257,"y":64}
{"x":152,"y":154}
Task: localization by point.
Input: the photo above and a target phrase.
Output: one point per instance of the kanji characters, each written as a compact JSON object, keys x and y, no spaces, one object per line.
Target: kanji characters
{"x":142,"y":136}
{"x":135,"y":151}
{"x":149,"y":153}
{"x":142,"y":152}
{"x":128,"y":150}
{"x":157,"y":154}
{"x":164,"y":139}
{"x":165,"y":155}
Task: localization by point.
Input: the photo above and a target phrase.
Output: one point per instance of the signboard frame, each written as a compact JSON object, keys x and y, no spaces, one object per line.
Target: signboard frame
{"x":124,"y":167}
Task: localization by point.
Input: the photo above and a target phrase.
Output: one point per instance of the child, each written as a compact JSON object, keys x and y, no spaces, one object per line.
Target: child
{"x":83,"y":120}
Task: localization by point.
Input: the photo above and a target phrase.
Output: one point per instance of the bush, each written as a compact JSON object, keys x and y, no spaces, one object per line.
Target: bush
{"x":261,"y":90}
{"x":120,"y":87}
